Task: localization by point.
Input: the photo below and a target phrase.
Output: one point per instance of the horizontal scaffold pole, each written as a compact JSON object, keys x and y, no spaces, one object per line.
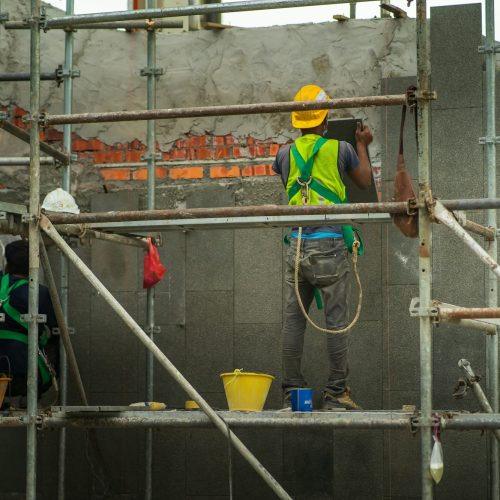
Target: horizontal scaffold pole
{"x":24,"y":161}
{"x":395,"y":207}
{"x":127,"y":25}
{"x":25,"y":137}
{"x":25,"y":77}
{"x":469,"y":312}
{"x":225,"y":110}
{"x":192,"y":10}
{"x":410,"y":421}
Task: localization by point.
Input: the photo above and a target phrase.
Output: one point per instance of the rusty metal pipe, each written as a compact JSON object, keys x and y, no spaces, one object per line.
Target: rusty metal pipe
{"x":249,"y":211}
{"x":469,"y":312}
{"x":25,"y":137}
{"x":227,"y":110}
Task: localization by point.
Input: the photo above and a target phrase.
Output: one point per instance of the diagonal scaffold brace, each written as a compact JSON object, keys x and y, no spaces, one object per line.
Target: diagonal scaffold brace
{"x":49,"y":229}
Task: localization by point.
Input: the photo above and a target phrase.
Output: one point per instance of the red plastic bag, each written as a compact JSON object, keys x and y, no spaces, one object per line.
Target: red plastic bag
{"x":154,"y":270}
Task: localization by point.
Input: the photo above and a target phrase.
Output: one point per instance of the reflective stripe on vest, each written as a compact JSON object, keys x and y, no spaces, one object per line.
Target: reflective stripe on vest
{"x":5,"y":291}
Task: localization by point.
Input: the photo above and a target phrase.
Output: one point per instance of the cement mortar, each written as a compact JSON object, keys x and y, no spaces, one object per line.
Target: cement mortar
{"x":222,"y":67}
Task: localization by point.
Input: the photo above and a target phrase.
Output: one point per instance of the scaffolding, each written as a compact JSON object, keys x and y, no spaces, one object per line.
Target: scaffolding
{"x":32,"y":223}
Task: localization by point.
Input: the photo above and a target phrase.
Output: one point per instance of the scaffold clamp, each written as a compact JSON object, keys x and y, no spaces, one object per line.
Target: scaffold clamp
{"x":152,"y":71}
{"x":489,"y":140}
{"x":422,"y":312}
{"x":426,"y":95}
{"x":39,"y":318}
{"x":489,"y":49}
{"x":154,"y":330}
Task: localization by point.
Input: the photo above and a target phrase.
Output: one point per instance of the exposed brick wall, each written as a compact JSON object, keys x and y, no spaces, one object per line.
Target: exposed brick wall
{"x":219,"y":157}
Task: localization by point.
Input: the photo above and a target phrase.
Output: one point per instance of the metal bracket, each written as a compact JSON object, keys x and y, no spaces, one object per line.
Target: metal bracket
{"x":489,"y":140}
{"x":489,"y":49}
{"x":154,"y":330}
{"x":40,"y":318}
{"x":57,"y":331}
{"x":422,"y":312}
{"x":27,"y":218}
{"x":149,"y":156}
{"x":152,"y":71}
{"x":426,"y":95}
{"x":61,"y":73}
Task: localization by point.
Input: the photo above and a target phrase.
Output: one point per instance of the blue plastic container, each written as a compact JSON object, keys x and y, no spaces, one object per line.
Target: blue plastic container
{"x":302,"y":399}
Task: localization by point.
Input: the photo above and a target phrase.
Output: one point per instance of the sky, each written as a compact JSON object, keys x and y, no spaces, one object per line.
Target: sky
{"x":283,"y":16}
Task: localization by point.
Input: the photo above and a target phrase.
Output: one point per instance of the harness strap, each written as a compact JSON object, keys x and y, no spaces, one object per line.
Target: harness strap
{"x":23,"y":338}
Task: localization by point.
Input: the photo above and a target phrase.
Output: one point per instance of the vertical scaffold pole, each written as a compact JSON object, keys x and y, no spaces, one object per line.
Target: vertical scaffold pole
{"x":425,"y":245}
{"x":491,"y":218}
{"x":34,"y":258}
{"x":64,"y":276}
{"x":151,"y":203}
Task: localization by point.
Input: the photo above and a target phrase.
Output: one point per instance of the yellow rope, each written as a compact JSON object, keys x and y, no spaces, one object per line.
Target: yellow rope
{"x":355,"y":247}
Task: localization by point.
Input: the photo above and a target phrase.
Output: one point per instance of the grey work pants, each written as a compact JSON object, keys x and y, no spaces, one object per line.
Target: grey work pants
{"x":324,"y":264}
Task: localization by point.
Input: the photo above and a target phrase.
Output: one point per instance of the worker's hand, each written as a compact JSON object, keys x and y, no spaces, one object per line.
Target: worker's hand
{"x":363,"y":135}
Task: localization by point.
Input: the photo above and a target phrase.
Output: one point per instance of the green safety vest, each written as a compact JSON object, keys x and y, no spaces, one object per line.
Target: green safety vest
{"x":325,"y":184}
{"x":9,"y":310}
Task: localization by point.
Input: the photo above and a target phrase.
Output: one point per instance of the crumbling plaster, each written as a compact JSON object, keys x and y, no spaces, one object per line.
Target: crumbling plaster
{"x":214,"y":68}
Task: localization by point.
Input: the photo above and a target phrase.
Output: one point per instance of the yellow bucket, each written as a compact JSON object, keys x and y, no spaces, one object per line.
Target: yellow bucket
{"x":246,"y":391}
{"x":4,"y":382}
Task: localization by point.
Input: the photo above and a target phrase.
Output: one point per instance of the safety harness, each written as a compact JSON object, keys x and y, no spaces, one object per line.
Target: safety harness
{"x":9,"y":310}
{"x":304,"y":183}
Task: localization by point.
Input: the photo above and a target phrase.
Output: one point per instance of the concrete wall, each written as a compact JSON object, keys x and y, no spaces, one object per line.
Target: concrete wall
{"x":220,"y":305}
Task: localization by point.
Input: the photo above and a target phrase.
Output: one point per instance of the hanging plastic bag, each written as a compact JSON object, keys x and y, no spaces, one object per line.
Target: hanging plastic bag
{"x":437,"y":464}
{"x":154,"y":270}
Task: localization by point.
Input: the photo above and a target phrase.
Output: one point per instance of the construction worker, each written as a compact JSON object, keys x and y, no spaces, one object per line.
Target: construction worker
{"x":313,"y":170}
{"x":14,"y":330}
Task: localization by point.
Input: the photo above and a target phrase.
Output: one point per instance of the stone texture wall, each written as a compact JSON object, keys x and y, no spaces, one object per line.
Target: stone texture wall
{"x":220,"y":305}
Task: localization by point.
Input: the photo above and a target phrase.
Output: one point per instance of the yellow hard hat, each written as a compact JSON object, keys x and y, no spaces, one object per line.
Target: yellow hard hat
{"x":312,"y":118}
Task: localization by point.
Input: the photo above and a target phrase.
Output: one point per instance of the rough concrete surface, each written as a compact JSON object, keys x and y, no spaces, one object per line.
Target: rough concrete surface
{"x":220,"y":306}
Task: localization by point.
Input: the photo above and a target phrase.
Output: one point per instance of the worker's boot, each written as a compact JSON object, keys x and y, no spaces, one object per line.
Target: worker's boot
{"x":338,"y":402}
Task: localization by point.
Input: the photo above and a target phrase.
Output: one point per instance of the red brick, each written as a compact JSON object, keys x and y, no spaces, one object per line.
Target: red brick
{"x":261,"y":150}
{"x":219,"y":140}
{"x":108,"y":156}
{"x":260,"y":170}
{"x":19,"y":111}
{"x":186,"y":173}
{"x":136,"y":144}
{"x":222,"y":152}
{"x":178,"y":154}
{"x":53,"y":134}
{"x":141,"y":174}
{"x":133,"y":156}
{"x":97,"y":145}
{"x":270,"y":170}
{"x":165,"y":155}
{"x":250,"y":141}
{"x":230,"y":139}
{"x":200,"y":141}
{"x":217,"y":172}
{"x":184,"y":143}
{"x":115,"y":174}
{"x":161,"y":173}
{"x":246,"y":171}
{"x":273,"y":149}
{"x":42,"y":135}
{"x":204,"y":154}
{"x":239,"y":152}
{"x":191,"y":154}
{"x":79,"y":145}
